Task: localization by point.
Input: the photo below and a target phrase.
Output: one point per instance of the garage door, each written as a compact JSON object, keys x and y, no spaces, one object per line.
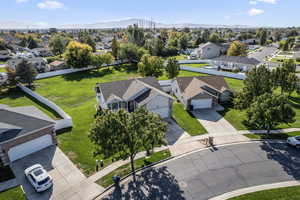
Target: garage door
{"x":201,"y":103}
{"x":29,"y":147}
{"x":162,"y":112}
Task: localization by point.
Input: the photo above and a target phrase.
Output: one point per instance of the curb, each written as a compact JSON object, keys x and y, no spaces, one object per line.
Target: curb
{"x":253,"y":189}
{"x":188,"y":153}
{"x":138,"y":170}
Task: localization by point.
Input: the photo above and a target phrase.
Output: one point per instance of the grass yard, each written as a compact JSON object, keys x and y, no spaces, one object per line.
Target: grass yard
{"x":187,"y":121}
{"x":15,"y":97}
{"x":75,"y":94}
{"x":139,"y":163}
{"x":237,"y":117}
{"x":2,"y":69}
{"x":13,"y":194}
{"x":287,"y":193}
{"x":201,"y":65}
{"x":6,"y":174}
{"x":181,"y":57}
{"x":281,"y":136}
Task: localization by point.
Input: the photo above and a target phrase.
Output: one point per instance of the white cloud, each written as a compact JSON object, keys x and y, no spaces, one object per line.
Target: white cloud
{"x":21,"y":1}
{"x":51,"y":5}
{"x":255,"y":11}
{"x":254,"y":2}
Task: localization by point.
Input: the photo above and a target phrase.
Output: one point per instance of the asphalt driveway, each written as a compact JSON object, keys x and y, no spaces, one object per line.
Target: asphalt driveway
{"x":68,"y":181}
{"x":213,"y":122}
{"x":209,"y":173}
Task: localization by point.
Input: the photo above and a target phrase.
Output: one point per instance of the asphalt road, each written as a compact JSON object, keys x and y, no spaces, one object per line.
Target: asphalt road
{"x":209,"y":173}
{"x":261,"y":55}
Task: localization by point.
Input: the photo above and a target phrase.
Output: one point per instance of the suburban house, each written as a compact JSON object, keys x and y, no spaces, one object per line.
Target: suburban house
{"x":24,"y":130}
{"x":57,"y":65}
{"x":5,"y":55}
{"x":210,"y":50}
{"x":201,"y":92}
{"x":134,"y":93}
{"x":3,"y":78}
{"x":43,"y":52}
{"x":39,"y":63}
{"x":239,"y":63}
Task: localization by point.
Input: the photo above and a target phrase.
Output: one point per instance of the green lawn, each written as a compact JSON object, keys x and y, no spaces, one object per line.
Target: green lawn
{"x":139,"y":163}
{"x":13,"y":194}
{"x":281,"y":136}
{"x":237,"y":117}
{"x":75,"y":94}
{"x":15,"y":97}
{"x":187,"y":121}
{"x":181,"y":57}
{"x":288,"y":193}
{"x":201,"y":65}
{"x":2,"y":69}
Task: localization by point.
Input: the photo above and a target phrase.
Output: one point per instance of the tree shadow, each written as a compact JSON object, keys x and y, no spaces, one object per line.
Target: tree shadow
{"x":96,"y":73}
{"x":288,"y":157}
{"x":154,"y":183}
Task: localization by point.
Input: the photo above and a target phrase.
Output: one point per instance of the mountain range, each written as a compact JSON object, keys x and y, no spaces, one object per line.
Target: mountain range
{"x":111,"y":24}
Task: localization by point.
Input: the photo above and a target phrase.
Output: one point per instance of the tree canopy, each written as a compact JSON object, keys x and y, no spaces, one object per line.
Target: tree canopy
{"x":78,"y":55}
{"x":150,"y":66}
{"x":172,"y":68}
{"x":25,"y":72}
{"x":122,"y":134}
{"x":237,"y":48}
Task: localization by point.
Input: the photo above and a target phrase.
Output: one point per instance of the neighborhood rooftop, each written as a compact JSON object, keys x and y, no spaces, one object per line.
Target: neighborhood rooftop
{"x":238,"y":59}
{"x":15,"y":123}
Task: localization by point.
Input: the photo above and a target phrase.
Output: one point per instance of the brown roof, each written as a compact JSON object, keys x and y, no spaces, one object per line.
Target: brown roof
{"x":193,"y":85}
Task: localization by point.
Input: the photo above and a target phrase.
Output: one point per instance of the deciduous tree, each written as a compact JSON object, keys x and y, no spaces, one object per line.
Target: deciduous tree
{"x":172,"y":68}
{"x":78,"y":55}
{"x":25,"y":72}
{"x":122,"y":134}
{"x":237,"y":48}
{"x":150,"y":66}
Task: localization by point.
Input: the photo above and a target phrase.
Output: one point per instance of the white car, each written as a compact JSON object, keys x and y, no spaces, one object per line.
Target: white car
{"x":38,"y":177}
{"x":294,"y":141}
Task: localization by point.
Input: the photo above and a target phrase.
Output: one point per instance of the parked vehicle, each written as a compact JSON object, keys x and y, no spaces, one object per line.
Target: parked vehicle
{"x":294,"y":141}
{"x":38,"y":177}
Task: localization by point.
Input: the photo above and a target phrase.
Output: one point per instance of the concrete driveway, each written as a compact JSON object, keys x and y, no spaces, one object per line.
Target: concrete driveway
{"x":68,"y":181}
{"x":175,"y":133}
{"x":213,"y":122}
{"x":209,"y":173}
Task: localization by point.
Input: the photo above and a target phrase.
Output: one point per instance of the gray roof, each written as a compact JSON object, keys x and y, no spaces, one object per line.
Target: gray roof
{"x":144,"y":88}
{"x":238,"y":59}
{"x":14,"y":123}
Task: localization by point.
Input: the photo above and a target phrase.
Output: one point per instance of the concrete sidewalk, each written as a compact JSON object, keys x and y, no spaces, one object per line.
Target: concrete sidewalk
{"x":118,"y":164}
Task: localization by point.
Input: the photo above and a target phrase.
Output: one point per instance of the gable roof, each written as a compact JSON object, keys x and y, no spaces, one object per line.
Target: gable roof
{"x":14,"y":123}
{"x":126,"y":89}
{"x":238,"y":59}
{"x":193,"y":85}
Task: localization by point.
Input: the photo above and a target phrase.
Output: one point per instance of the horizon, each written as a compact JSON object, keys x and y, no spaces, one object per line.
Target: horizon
{"x":57,"y":13}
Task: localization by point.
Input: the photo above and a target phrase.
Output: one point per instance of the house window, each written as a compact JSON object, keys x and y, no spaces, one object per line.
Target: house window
{"x":115,"y":106}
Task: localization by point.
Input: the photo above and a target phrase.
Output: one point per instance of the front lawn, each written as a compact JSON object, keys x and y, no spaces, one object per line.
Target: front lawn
{"x":13,"y":194}
{"x":2,"y":69}
{"x":237,"y":117}
{"x":200,"y":65}
{"x":287,"y":193}
{"x":122,"y":171}
{"x":273,"y":136}
{"x":186,"y":120}
{"x":75,"y":94}
{"x":6,"y":174}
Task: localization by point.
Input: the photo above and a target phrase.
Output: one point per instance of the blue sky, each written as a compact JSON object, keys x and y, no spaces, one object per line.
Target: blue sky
{"x":242,"y":12}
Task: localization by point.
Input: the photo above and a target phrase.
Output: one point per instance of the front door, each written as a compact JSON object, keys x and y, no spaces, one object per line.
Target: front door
{"x":131,"y":106}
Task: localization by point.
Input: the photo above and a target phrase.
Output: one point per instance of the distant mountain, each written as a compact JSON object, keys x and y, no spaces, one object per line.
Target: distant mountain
{"x":145,"y":23}
{"x":111,"y":24}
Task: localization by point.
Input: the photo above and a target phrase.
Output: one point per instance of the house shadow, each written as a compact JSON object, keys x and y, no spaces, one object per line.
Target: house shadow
{"x":288,"y":157}
{"x":45,"y":158}
{"x":154,"y":183}
{"x":174,"y":132}
{"x":96,"y":73}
